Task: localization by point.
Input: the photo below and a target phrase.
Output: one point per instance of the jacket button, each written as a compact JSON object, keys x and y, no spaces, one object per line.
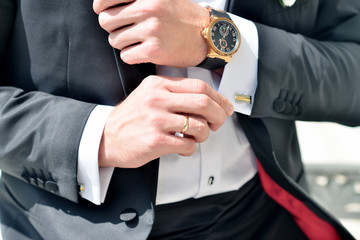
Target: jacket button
{"x":128,"y":215}
{"x":288,"y":109}
{"x":287,"y":3}
{"x":51,"y":186}
{"x":33,"y":181}
{"x":41,"y":182}
{"x":299,"y":110}
{"x":279,"y":105}
{"x":295,"y":110}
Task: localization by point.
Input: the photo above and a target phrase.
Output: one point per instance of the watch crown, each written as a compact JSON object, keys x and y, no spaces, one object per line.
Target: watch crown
{"x":204,"y":32}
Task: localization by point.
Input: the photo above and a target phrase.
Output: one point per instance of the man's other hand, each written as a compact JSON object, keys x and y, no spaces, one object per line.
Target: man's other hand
{"x":163,"y":32}
{"x":143,"y":126}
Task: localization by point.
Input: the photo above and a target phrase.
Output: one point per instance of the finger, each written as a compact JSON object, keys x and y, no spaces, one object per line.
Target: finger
{"x":117,"y":17}
{"x":194,"y":126}
{"x":197,"y":127}
{"x":198,"y":104}
{"x":179,"y":145}
{"x":188,"y":85}
{"x":125,"y":37}
{"x":191,"y":103}
{"x":101,"y":5}
{"x":144,"y":52}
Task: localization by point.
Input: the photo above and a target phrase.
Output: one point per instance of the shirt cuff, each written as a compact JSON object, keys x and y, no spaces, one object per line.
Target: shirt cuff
{"x":94,"y":181}
{"x":240,"y":74}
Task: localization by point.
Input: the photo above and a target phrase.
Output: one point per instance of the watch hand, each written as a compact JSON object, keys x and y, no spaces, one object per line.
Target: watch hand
{"x":227,"y":29}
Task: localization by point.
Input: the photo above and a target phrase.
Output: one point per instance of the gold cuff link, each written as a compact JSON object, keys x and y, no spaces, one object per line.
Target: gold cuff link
{"x":243,"y":98}
{"x":81,"y":188}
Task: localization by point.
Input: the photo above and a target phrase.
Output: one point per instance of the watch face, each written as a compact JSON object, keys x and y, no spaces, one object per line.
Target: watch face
{"x":224,"y":37}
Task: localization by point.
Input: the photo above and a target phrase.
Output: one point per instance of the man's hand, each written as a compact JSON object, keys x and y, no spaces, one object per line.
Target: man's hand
{"x":163,"y":32}
{"x":143,"y":127}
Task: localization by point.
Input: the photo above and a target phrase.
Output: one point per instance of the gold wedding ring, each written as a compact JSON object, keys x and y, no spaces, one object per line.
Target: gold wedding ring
{"x":186,"y":125}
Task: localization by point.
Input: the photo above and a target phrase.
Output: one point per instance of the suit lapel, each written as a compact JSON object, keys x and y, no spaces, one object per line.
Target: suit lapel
{"x":251,"y":10}
{"x":131,"y":75}
{"x":310,"y":217}
{"x":227,"y":5}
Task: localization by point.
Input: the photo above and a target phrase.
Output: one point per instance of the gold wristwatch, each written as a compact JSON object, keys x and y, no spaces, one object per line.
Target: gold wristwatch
{"x":223,"y":39}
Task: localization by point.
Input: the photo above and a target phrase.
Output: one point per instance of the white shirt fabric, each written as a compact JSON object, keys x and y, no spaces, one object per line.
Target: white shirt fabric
{"x":222,"y":163}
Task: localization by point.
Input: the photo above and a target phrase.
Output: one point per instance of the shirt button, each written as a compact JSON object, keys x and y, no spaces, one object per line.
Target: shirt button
{"x":211,"y":180}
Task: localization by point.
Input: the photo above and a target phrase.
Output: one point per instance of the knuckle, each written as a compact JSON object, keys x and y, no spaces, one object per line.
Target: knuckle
{"x":126,"y":56}
{"x":152,"y":100}
{"x":149,"y":79}
{"x":203,"y":101}
{"x":220,"y":122}
{"x":190,"y":149}
{"x":156,"y":140}
{"x":223,"y":118}
{"x":153,"y":48}
{"x":153,"y":82}
{"x":201,"y":87}
{"x":97,"y":6}
{"x":200,"y":127}
{"x":153,"y":26}
{"x":113,"y":41}
{"x":154,"y":8}
{"x":156,"y":121}
{"x":103,"y":19}
{"x":203,"y":130}
{"x":222,"y":102}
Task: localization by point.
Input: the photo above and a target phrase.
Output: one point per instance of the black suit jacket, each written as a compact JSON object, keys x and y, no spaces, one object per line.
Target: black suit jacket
{"x":56,"y":65}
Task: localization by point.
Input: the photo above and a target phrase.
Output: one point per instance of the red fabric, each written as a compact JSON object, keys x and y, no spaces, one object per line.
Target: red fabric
{"x":312,"y":226}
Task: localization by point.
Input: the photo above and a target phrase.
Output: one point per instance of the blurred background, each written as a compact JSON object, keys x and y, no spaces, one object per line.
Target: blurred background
{"x":331,"y":153}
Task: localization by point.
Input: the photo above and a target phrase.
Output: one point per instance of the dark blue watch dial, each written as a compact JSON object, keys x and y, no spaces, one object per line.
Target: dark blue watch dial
{"x":224,"y":37}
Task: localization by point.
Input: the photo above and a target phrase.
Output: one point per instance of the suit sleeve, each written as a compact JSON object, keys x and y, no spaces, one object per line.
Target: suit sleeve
{"x":313,"y":76}
{"x":40,"y":132}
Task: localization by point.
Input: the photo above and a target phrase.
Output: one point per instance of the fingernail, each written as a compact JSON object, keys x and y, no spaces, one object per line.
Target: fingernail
{"x":229,"y":109}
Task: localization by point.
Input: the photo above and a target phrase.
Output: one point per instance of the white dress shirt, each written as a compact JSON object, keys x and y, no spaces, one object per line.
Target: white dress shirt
{"x":222,"y":163}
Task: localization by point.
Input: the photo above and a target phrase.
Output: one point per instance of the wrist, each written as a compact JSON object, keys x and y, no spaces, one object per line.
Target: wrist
{"x":102,"y":156}
{"x":222,"y":38}
{"x":219,"y":71}
{"x":205,"y":16}
{"x":105,"y":141}
{"x":204,"y":23}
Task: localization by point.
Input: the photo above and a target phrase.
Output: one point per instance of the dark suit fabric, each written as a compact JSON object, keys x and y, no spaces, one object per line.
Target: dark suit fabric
{"x":56,"y":65}
{"x":244,"y":214}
